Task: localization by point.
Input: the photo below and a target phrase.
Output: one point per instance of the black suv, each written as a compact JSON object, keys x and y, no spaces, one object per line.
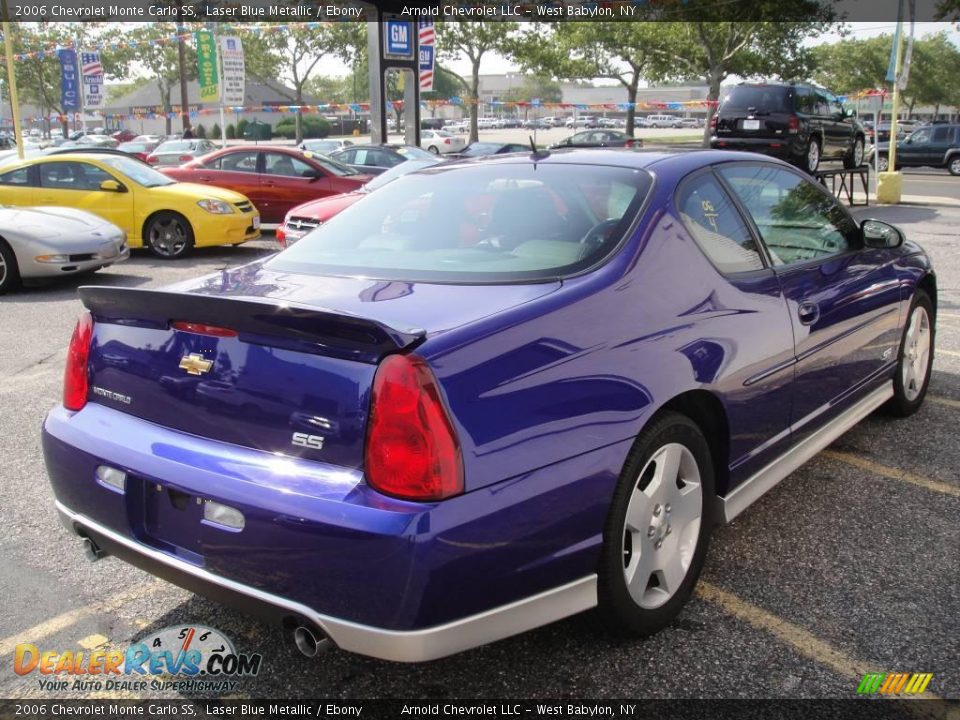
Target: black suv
{"x":930,"y":146}
{"x":797,"y":122}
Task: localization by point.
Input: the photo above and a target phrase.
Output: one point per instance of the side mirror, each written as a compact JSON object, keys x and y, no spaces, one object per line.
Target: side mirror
{"x":879,"y":234}
{"x":112,"y":186}
{"x":313,"y":174}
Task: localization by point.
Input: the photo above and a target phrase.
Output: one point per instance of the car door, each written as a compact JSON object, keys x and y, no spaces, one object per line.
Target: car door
{"x":18,"y":186}
{"x":236,"y":170}
{"x":941,"y":140}
{"x":76,"y":184}
{"x":915,"y":150}
{"x":286,"y":182}
{"x":745,"y":318}
{"x":843,"y":297}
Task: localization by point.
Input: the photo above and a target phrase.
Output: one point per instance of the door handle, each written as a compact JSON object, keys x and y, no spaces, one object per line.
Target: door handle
{"x":808,"y":313}
{"x":205,"y":178}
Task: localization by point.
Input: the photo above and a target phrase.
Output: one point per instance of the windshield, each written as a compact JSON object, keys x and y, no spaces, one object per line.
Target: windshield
{"x":479,"y":148}
{"x":137,"y":171}
{"x":335,"y":167}
{"x":399,"y":170}
{"x":414,"y":153}
{"x":768,"y":98}
{"x":487,"y":223}
{"x":176,"y":146}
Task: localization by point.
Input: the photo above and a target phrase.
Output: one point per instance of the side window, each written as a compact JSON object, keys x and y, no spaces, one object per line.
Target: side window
{"x":797,"y":220}
{"x":347,"y":156}
{"x":822,"y":106}
{"x":805,"y":100}
{"x":245,"y":162}
{"x":941,"y":134}
{"x":360,"y":157}
{"x":71,"y":176}
{"x":716,"y":225}
{"x":920,"y":137}
{"x":280,"y":164}
{"x":19,"y":177}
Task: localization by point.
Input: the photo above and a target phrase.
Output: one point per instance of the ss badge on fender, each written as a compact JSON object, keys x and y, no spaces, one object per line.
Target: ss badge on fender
{"x":314,"y":442}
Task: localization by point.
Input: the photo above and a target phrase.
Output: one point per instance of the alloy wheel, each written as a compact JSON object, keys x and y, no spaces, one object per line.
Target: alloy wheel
{"x":3,"y":270}
{"x":916,"y":354}
{"x":168,"y":236}
{"x":662,"y":526}
{"x":955,"y":166}
{"x":858,"y":153}
{"x":813,"y":156}
{"x":883,"y":163}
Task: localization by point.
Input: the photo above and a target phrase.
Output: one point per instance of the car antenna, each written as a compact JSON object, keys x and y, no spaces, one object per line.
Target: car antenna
{"x":535,"y":152}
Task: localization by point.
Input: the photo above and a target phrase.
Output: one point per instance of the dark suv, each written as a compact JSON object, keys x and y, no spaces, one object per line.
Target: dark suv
{"x":797,"y":122}
{"x":931,"y":146}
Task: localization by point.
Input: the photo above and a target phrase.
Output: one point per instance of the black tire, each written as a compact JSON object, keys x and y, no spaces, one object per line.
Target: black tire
{"x":854,"y":158}
{"x":168,"y":235}
{"x":808,"y":162}
{"x":909,"y":390}
{"x":618,"y":609}
{"x":9,"y":270}
{"x":433,"y":149}
{"x":953,"y":164}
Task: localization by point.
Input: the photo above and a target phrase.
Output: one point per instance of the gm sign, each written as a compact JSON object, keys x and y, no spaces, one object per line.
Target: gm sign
{"x":398,"y":40}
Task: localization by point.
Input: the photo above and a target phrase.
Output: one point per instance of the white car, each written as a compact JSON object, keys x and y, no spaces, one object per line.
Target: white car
{"x":584,"y":121}
{"x":663,"y":121}
{"x":457,"y":126}
{"x":440,"y":143}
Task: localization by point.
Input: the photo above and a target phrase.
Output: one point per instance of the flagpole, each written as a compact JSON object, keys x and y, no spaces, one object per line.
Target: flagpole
{"x":83,"y":92}
{"x":12,"y":80}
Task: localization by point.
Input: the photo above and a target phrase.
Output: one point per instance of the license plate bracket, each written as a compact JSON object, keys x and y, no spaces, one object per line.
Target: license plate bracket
{"x":171,"y":520}
{"x":751,"y":124}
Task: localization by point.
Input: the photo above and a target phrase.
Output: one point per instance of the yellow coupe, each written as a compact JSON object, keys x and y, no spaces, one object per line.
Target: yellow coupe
{"x":166,"y":216}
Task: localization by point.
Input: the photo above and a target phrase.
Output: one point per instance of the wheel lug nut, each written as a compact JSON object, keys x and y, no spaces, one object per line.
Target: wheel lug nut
{"x":669,"y":530}
{"x":667,"y":507}
{"x":651,"y":531}
{"x":658,"y":544}
{"x":656,"y":511}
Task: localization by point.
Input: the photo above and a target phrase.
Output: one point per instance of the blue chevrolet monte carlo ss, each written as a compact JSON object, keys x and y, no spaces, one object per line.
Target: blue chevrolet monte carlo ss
{"x":490,"y":395}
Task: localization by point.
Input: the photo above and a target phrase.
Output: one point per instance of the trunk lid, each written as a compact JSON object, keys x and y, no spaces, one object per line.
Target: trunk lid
{"x":291,"y":369}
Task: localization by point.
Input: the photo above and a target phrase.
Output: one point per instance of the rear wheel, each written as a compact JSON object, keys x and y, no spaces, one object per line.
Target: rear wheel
{"x":9,"y":272}
{"x":953,"y":165}
{"x":434,"y":150}
{"x":658,"y":529}
{"x":883,"y":163}
{"x":915,"y":359}
{"x":168,"y":235}
{"x":811,"y":156}
{"x":854,"y":158}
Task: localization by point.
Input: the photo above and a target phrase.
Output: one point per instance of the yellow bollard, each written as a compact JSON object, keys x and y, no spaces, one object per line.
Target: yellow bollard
{"x":889,"y":187}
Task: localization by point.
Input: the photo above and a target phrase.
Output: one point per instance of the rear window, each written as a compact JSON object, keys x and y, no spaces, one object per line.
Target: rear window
{"x":488,"y":223}
{"x":767,"y":98}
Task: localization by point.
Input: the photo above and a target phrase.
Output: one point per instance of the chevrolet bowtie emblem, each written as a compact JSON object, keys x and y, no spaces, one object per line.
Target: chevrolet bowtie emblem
{"x":195,"y":364}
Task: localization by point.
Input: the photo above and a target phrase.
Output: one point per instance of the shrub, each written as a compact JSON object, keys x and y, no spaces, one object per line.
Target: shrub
{"x":314,"y":126}
{"x":241,"y":126}
{"x":216,"y":133}
{"x":231,"y":132}
{"x":201,"y":131}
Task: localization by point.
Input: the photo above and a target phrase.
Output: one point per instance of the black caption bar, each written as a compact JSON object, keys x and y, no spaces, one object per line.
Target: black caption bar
{"x":274,"y":11}
{"x":854,"y":709}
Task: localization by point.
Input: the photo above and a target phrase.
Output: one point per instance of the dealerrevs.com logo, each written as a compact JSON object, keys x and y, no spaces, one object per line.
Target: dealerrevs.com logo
{"x":180,"y":658}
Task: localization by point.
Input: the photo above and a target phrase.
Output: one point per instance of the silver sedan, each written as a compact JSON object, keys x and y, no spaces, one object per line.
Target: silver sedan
{"x":46,"y":242}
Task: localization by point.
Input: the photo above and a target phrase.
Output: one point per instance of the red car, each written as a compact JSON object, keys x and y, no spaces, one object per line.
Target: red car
{"x":123,"y":136}
{"x":304,"y":218}
{"x":275,"y":178}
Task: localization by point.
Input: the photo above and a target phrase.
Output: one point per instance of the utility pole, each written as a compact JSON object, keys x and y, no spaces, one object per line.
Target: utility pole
{"x":12,"y":79}
{"x":181,"y":58}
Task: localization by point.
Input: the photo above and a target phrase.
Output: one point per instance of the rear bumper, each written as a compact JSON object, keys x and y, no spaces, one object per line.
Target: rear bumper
{"x":401,"y":646}
{"x":383,"y":577}
{"x":786,"y":148}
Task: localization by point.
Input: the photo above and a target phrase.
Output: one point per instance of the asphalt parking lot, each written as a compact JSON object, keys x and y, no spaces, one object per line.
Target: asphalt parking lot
{"x":849,"y":566}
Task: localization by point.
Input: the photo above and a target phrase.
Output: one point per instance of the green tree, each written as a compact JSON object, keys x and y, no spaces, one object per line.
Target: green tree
{"x":446,"y":84}
{"x":216,"y":133}
{"x":473,"y":40}
{"x":712,"y":41}
{"x":851,"y":65}
{"x":161,"y":59}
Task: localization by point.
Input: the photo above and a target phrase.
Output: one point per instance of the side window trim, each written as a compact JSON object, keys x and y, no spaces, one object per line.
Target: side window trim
{"x":744,"y":217}
{"x":801,"y":264}
{"x":744,"y":214}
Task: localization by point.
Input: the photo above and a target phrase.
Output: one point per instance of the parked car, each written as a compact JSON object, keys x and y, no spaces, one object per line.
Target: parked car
{"x":432,"y":123}
{"x":499,"y":461}
{"x":49,"y":242}
{"x":599,"y":139}
{"x":483,"y":149}
{"x":140,"y":150}
{"x":123,"y":135}
{"x":538,"y":124}
{"x":663,"y":121}
{"x":441,"y":143}
{"x":584,"y":121}
{"x":457,"y":126}
{"x":935,"y":146}
{"x":375,"y":159}
{"x":172,"y":153}
{"x":90,"y":141}
{"x":798,"y":122}
{"x":274,"y":177}
{"x":691,"y":122}
{"x":881,"y":133}
{"x":155,"y":212}
{"x":304,"y":218}
{"x":156,"y":139}
{"x":324,"y":147}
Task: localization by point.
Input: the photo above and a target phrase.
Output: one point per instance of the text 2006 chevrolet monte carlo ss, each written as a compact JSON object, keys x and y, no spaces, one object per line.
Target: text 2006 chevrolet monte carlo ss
{"x":490,"y":395}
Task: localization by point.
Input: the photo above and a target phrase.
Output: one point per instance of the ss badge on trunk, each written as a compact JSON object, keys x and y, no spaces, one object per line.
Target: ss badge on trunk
{"x":314,"y":442}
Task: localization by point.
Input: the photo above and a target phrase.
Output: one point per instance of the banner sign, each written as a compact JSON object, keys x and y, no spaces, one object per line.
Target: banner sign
{"x":207,"y":76}
{"x":92,"y":73}
{"x":232,"y":67}
{"x":69,"y":84}
{"x":426,"y":37}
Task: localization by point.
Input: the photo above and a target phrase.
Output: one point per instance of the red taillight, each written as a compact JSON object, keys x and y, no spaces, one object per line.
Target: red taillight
{"x":76,"y":382}
{"x":152,"y":159}
{"x":793,"y":125}
{"x":186,"y":158}
{"x":201,"y":329}
{"x":281,"y":236}
{"x":713,"y":122}
{"x":412,"y":450}
{"x":446,"y":141}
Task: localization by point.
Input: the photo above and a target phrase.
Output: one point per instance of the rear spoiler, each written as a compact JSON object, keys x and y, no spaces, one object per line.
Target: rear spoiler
{"x":265,"y":322}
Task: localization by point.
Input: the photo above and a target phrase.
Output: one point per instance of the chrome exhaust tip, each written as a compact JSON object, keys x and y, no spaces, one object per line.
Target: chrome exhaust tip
{"x":91,"y":550}
{"x":309,"y":642}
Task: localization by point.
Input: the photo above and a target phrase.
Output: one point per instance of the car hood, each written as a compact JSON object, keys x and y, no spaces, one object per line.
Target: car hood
{"x":47,"y":223}
{"x":325,"y":208}
{"x":195,"y":191}
{"x":431,"y":307}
